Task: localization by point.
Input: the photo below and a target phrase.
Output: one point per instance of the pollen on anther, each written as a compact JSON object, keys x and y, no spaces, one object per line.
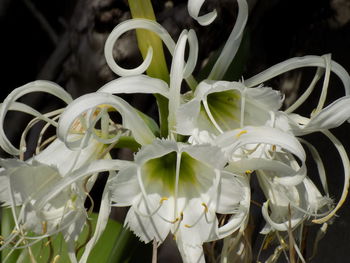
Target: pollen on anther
{"x":273,"y":148}
{"x":163,"y":199}
{"x":181,"y":216}
{"x":248,"y":171}
{"x":47,"y":243}
{"x":188,"y":226}
{"x":176,"y":219}
{"x":241,"y":133}
{"x":205,"y":207}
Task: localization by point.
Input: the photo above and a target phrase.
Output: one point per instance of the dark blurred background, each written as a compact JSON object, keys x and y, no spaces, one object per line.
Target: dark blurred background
{"x":62,"y":41}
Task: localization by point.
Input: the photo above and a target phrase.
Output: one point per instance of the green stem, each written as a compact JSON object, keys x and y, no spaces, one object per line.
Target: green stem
{"x":158,"y":68}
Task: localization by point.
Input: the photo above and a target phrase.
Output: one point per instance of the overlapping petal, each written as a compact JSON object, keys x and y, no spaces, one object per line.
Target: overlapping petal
{"x":180,"y":190}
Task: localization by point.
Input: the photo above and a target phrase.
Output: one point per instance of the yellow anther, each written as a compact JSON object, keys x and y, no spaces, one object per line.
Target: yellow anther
{"x":174,"y":221}
{"x":268,"y":241}
{"x":56,"y":258}
{"x":283,"y":243}
{"x":188,"y":226}
{"x":248,"y":171}
{"x":163,"y":199}
{"x":273,"y":148}
{"x":241,"y":132}
{"x":174,"y":237}
{"x":47,"y":243}
{"x":205,"y":207}
{"x":181,"y":216}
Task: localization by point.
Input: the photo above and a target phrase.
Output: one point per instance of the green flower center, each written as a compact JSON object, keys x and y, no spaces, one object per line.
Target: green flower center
{"x":162,"y":171}
{"x":225,"y":108}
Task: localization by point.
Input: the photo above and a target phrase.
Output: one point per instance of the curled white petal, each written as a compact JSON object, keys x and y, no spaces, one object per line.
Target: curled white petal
{"x":131,"y":119}
{"x":346,"y":166}
{"x":8,"y":104}
{"x":194,"y":7}
{"x":299,"y":62}
{"x":130,"y":25}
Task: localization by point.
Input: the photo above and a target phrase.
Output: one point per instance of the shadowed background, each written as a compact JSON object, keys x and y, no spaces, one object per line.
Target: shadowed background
{"x":62,"y":41}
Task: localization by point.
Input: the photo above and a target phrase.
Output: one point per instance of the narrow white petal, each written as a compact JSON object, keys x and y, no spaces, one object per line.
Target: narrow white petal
{"x":346,"y":166}
{"x":231,"y":47}
{"x":102,"y":221}
{"x":299,"y":62}
{"x":9,"y":104}
{"x":284,"y":226}
{"x":136,"y":84}
{"x":330,"y":117}
{"x":176,"y":77}
{"x":193,"y":54}
{"x":320,"y":166}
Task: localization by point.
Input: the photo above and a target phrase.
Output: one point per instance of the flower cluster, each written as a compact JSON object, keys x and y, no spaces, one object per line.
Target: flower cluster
{"x":194,"y":182}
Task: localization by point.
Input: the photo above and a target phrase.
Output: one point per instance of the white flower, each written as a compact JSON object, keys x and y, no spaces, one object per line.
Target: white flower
{"x":25,"y":183}
{"x":220,"y":106}
{"x":291,"y":205}
{"x":179,"y":188}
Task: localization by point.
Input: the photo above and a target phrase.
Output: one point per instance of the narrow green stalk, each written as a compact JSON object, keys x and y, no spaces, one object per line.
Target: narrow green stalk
{"x":7,"y":225}
{"x":158,"y":68}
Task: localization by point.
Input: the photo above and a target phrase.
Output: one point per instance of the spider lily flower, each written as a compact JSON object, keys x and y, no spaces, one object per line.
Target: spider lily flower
{"x":220,"y":106}
{"x":82,"y":111}
{"x":179,"y":188}
{"x":291,"y":205}
{"x":23,"y":183}
{"x":321,"y":119}
{"x":162,"y":196}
